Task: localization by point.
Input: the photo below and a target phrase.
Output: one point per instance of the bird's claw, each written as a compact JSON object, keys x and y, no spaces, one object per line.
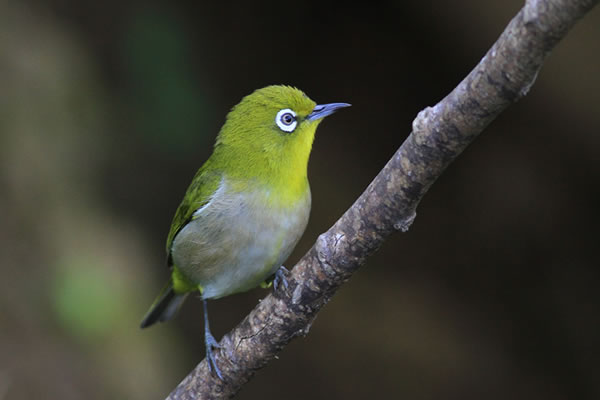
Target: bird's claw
{"x":211,"y":344}
{"x":280,"y":278}
{"x":212,"y":364}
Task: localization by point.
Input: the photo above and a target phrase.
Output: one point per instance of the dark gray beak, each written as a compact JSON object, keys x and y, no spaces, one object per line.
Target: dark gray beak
{"x":323,"y":110}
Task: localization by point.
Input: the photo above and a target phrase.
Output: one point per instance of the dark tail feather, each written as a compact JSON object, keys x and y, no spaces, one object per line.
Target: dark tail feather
{"x":165,"y":306}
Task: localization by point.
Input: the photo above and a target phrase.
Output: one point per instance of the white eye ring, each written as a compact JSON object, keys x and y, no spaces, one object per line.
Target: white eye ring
{"x":286,"y":120}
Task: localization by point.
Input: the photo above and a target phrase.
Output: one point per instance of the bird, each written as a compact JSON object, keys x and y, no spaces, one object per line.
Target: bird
{"x":247,"y":206}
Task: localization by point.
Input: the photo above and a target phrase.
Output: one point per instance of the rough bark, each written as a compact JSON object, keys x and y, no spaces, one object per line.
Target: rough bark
{"x":440,"y":133}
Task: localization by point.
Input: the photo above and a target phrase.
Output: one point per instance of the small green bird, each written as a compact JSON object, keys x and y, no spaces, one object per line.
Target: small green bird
{"x":246,"y":207}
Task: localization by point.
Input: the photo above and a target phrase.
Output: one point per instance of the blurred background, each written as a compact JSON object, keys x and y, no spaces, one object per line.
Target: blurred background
{"x":108,"y":108}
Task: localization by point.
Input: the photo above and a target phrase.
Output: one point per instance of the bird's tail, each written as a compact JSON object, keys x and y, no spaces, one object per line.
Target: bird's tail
{"x":164,"y":307}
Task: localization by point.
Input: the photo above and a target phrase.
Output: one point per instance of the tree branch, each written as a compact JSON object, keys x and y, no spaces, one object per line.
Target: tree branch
{"x":440,"y":134}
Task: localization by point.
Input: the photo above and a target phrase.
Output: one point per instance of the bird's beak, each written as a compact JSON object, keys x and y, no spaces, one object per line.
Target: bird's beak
{"x":323,"y":110}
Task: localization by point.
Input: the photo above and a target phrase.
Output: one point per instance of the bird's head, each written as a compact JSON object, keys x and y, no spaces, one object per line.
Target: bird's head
{"x":271,"y":131}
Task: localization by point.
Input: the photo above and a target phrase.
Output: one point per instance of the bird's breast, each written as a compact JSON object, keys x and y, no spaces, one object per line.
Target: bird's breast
{"x":239,"y":238}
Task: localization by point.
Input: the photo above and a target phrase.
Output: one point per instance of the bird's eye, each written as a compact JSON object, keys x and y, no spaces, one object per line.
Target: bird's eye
{"x":286,"y":120}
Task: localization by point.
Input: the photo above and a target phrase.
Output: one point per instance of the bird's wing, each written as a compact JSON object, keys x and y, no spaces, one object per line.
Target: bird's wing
{"x":198,"y":194}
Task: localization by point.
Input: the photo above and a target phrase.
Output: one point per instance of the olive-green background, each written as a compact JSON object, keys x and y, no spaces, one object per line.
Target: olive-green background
{"x":108,"y":108}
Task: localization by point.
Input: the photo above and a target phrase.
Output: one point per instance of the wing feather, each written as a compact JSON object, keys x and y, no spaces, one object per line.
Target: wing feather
{"x":203,"y":186}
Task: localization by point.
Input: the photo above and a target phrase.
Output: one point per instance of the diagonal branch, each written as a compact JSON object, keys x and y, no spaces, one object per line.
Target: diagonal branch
{"x":440,"y":133}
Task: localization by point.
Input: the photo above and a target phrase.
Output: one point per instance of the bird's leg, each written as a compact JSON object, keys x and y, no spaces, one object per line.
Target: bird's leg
{"x":210,"y":342}
{"x":280,"y":278}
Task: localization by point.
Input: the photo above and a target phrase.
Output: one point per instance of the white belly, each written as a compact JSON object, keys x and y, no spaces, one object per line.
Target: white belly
{"x":237,"y":241}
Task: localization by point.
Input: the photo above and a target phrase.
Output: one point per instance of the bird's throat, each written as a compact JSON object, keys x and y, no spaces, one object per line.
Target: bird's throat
{"x":283,"y":174}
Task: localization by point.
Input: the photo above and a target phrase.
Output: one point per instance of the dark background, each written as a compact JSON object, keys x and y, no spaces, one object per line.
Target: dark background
{"x":108,"y":108}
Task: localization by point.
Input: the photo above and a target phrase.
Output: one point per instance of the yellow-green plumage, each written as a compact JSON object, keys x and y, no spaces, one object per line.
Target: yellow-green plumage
{"x":248,"y":205}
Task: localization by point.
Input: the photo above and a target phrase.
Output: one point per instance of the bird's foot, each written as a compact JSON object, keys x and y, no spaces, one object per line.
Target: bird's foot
{"x":280,"y":277}
{"x":210,"y":340}
{"x":211,"y":344}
